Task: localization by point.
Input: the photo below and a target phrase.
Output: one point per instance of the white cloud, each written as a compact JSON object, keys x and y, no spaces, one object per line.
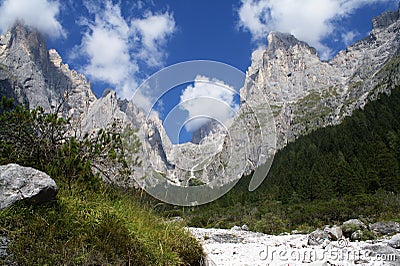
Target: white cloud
{"x":308,"y":20}
{"x":116,"y":46}
{"x":207,"y":98}
{"x":154,"y":31}
{"x":349,"y":37}
{"x":107,"y":46}
{"x":40,"y":14}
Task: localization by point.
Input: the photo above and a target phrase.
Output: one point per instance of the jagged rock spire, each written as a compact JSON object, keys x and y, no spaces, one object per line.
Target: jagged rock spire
{"x":279,"y":40}
{"x":386,"y":19}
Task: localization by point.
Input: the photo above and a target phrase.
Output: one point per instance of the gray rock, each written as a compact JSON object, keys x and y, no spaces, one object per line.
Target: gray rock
{"x":306,"y":92}
{"x":24,"y":183}
{"x":357,"y":235}
{"x":210,"y":130}
{"x":394,"y":242}
{"x":385,"y":19}
{"x":355,"y":222}
{"x":335,"y":232}
{"x":391,"y":255}
{"x":39,"y":78}
{"x":245,"y":227}
{"x":351,"y":226}
{"x":385,"y":228}
{"x":318,"y":237}
{"x":3,"y":247}
{"x":227,"y":238}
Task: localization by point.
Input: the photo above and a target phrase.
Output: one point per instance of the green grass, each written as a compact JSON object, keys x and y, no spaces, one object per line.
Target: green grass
{"x":109,"y":227}
{"x":90,"y":222}
{"x":275,"y":217}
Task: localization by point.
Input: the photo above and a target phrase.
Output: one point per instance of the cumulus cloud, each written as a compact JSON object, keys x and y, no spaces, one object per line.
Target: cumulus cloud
{"x":106,"y":44}
{"x":154,"y":31}
{"x":40,"y":14}
{"x":309,"y":20}
{"x":207,"y":98}
{"x":116,"y":46}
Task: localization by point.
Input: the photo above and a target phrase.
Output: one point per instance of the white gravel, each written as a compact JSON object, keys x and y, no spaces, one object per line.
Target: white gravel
{"x":240,"y":247}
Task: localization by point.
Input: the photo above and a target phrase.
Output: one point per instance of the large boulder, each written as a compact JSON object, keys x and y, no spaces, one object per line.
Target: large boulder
{"x":394,"y":242}
{"x":24,"y":183}
{"x":318,"y":237}
{"x":351,"y":226}
{"x":385,"y":228}
{"x":386,"y":254}
{"x":334,"y":232}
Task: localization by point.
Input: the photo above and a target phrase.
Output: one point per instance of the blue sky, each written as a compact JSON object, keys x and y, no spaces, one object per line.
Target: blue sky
{"x":117,"y":44}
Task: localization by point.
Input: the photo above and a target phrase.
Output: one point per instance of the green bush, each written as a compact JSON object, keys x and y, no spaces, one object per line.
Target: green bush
{"x":270,"y":224}
{"x":91,"y":222}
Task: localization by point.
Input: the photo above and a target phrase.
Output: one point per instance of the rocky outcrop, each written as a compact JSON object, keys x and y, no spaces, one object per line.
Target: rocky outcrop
{"x":386,"y":19}
{"x":209,"y":132}
{"x":306,"y":93}
{"x":385,"y":228}
{"x":35,"y":76}
{"x":24,"y":183}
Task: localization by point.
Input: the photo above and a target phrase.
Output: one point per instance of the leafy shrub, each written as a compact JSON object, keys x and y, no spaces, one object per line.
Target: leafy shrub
{"x":91,"y":222}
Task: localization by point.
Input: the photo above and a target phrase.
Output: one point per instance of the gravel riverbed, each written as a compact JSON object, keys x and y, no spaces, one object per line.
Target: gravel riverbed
{"x":240,"y":247}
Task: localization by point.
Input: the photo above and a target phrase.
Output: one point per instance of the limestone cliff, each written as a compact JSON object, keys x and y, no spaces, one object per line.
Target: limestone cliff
{"x":304,"y":93}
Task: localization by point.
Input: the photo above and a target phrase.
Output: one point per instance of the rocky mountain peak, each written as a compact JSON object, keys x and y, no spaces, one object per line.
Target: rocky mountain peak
{"x":38,"y":76}
{"x":285,"y":41}
{"x":386,"y":19}
{"x":306,"y":93}
{"x":211,"y":130}
{"x":28,"y":40}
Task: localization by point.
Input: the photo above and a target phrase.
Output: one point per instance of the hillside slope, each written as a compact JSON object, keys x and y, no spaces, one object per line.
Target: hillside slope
{"x":333,"y":174}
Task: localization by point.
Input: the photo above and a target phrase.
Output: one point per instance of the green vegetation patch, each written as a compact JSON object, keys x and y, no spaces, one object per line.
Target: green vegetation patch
{"x":90,"y":222}
{"x":107,"y":227}
{"x":332,"y":175}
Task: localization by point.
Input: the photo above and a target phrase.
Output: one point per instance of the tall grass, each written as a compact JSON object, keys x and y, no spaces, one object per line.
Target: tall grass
{"x":103,"y":227}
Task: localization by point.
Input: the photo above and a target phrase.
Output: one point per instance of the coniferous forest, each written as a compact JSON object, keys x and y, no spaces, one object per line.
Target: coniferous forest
{"x":335,"y":173}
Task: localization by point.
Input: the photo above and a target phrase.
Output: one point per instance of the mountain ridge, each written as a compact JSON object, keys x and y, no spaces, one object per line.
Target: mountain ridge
{"x":304,"y":93}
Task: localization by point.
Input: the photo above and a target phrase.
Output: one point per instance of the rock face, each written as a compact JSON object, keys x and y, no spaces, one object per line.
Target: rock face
{"x":385,"y":228}
{"x":35,"y":76}
{"x":304,"y":93}
{"x":24,"y":183}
